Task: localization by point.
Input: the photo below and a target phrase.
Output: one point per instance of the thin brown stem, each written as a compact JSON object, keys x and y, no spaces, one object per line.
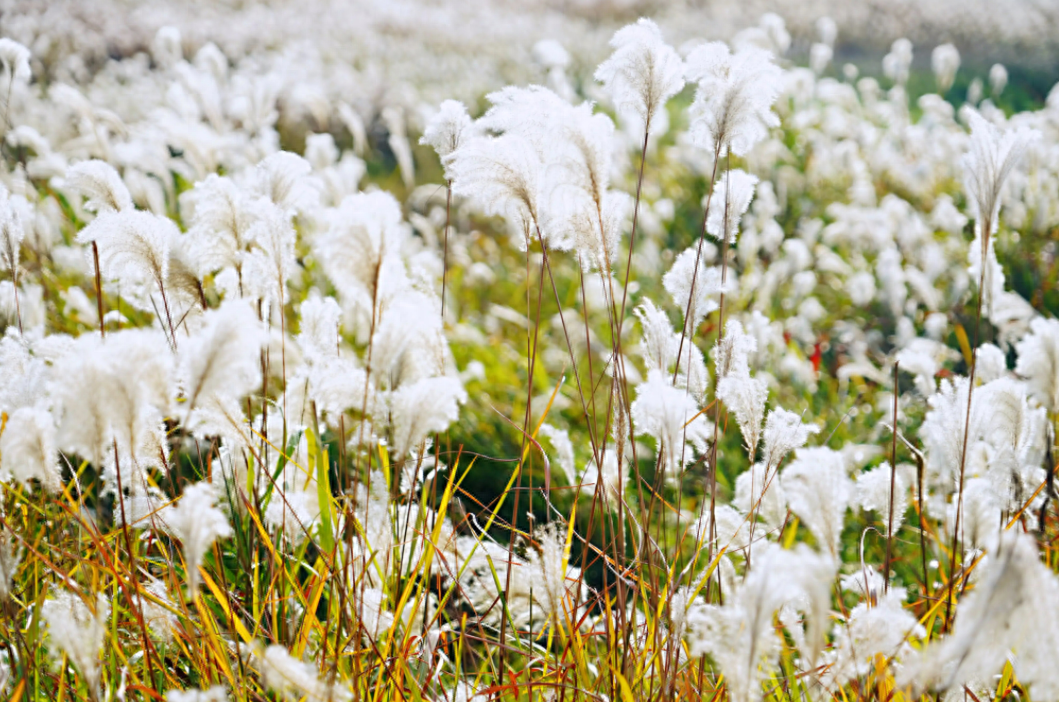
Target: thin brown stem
{"x":99,"y":291}
{"x":967,"y":423}
{"x":135,"y":606}
{"x":893,"y":485}
{"x":168,"y":317}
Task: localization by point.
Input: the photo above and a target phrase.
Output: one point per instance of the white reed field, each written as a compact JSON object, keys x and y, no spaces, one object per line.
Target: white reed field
{"x":587,"y":359}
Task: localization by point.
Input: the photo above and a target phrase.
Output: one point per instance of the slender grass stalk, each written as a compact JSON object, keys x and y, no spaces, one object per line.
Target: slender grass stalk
{"x":893,"y":483}
{"x":986,"y":227}
{"x":99,"y":291}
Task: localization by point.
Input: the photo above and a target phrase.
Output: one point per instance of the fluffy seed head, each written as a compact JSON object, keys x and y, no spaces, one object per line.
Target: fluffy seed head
{"x":643,"y":72}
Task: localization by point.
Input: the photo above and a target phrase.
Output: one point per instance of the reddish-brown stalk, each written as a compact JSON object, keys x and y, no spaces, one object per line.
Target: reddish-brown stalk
{"x":720,"y":336}
{"x":893,"y":484}
{"x":364,"y":412}
{"x":99,"y":290}
{"x":986,"y":227}
{"x":168,"y":317}
{"x":135,"y":606}
{"x":531,"y":347}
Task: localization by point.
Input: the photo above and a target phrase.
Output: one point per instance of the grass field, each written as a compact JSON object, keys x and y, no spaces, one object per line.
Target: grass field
{"x":694,"y":373}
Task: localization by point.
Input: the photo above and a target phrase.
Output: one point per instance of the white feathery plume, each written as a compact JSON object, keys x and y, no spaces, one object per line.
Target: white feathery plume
{"x":920,"y":358}
{"x":197,"y":523}
{"x":551,"y":56}
{"x":733,"y":528}
{"x":533,"y":113}
{"x":588,"y":147}
{"x":100,"y":184}
{"x":738,"y":188}
{"x":1038,"y":361}
{"x":11,"y":234}
{"x":283,"y":178}
{"x":672,"y":418}
{"x":549,"y":567}
{"x":582,"y":209}
{"x":183,"y":283}
{"x":707,"y":285}
{"x":784,"y":432}
{"x":271,"y":261}
{"x":657,"y":343}
{"x":943,"y":429}
{"x":564,"y":448}
{"x":595,"y":232}
{"x":873,"y":494}
{"x":998,"y":79}
{"x":818,"y":491}
{"x":361,"y":252}
{"x":897,"y":63}
{"x":214,"y":694}
{"x":78,"y":632}
{"x":337,"y":385}
{"x":945,"y":61}
{"x":373,"y":614}
{"x":1009,"y":611}
{"x":23,"y":370}
{"x":220,"y":222}
{"x":1017,"y":437}
{"x":813,"y":574}
{"x":758,"y":491}
{"x":820,"y":56}
{"x":133,"y":246}
{"x":986,"y":166}
{"x":878,"y":626}
{"x":503,"y":176}
{"x":642,"y":73}
{"x":745,"y":397}
{"x":731,"y":355}
{"x":294,"y":680}
{"x":740,"y":636}
{"x":827,"y":30}
{"x":691,"y":370}
{"x":111,"y":395}
{"x":80,"y":393}
{"x":981,"y":517}
{"x":866,"y":582}
{"x":15,"y":58}
{"x":427,"y":406}
{"x":295,"y":509}
{"x":157,"y":610}
{"x":29,"y":450}
{"x":320,"y":319}
{"x":10,"y":557}
{"x":733,"y":100}
{"x":574,"y":147}
{"x":140,"y":364}
{"x":448,"y":129}
{"x":220,"y":363}
{"x":992,"y":363}
{"x":406,"y":329}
